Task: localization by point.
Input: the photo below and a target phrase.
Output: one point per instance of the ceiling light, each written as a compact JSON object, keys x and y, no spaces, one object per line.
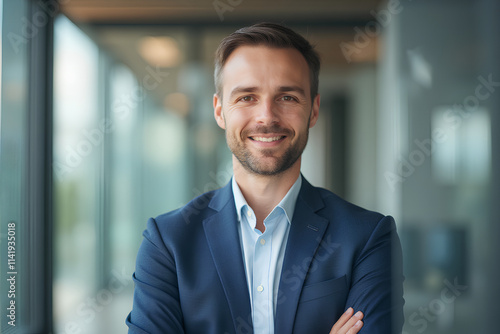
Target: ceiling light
{"x":160,"y":51}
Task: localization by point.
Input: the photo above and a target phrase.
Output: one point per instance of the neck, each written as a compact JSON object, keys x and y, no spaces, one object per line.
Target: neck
{"x":264,"y":192}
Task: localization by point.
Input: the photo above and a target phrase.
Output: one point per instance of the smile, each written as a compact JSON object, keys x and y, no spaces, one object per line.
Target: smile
{"x":267,"y":139}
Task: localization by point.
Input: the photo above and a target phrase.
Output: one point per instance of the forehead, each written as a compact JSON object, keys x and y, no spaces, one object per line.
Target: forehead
{"x":265,"y":66}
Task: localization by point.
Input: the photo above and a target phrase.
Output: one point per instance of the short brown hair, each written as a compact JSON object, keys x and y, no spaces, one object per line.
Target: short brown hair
{"x":271,"y":35}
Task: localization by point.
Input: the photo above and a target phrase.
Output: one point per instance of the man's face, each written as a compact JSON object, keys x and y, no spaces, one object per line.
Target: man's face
{"x":266,"y":107}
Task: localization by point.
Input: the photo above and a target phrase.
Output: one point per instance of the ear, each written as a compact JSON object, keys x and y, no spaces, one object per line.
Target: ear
{"x":219,"y":118}
{"x":315,"y":111}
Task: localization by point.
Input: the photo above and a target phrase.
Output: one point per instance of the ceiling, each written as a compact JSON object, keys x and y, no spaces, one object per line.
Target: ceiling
{"x":215,"y":11}
{"x":121,"y":26}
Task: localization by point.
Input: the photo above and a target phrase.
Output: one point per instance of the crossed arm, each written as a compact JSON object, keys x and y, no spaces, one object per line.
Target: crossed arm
{"x":364,"y":295}
{"x":349,"y":323}
{"x":376,"y":285}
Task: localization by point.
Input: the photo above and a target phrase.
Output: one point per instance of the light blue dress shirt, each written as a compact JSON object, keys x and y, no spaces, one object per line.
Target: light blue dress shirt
{"x":263,"y":253}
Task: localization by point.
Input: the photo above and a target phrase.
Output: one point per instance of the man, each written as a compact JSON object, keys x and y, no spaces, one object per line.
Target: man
{"x":268,"y":253}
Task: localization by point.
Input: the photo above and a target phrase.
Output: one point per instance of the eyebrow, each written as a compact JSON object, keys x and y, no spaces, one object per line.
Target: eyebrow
{"x":297,"y":89}
{"x":243,"y":89}
{"x":251,"y":89}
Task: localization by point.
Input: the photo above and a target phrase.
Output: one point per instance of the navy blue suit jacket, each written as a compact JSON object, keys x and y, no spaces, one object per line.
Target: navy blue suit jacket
{"x":190,"y":276}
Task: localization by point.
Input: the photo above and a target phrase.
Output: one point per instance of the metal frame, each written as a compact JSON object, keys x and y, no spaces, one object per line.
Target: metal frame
{"x":39,"y":173}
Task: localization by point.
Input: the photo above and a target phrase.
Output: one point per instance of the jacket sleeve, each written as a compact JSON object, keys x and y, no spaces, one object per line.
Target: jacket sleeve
{"x":377,"y":281}
{"x":156,"y":306}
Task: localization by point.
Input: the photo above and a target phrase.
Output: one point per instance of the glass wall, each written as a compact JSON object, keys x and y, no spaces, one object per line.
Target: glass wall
{"x":130,"y":142}
{"x":440,"y":173}
{"x":78,"y":139}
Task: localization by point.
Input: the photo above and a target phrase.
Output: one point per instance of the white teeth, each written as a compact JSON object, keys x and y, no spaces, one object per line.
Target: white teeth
{"x":267,"y":140}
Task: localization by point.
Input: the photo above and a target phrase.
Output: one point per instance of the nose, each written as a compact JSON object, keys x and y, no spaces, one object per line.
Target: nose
{"x":267,"y":113}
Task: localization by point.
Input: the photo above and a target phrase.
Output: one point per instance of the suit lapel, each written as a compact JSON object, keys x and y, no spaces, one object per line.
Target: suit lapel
{"x":306,"y":232}
{"x":221,"y":230}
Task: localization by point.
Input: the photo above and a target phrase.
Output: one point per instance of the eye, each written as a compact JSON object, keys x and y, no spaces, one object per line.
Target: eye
{"x":246,"y":99}
{"x":288,"y":98}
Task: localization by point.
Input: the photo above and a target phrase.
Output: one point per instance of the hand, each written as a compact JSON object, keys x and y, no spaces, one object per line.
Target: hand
{"x":348,"y":323}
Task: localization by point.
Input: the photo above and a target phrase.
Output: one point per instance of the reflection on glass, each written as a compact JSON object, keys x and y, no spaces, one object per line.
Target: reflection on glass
{"x":76,"y":150}
{"x":461,"y":145}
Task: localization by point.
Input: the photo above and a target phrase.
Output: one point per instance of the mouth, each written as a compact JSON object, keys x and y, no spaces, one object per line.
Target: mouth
{"x":267,"y":139}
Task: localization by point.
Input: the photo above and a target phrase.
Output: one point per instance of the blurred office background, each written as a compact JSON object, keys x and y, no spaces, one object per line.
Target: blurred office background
{"x":106,"y":120}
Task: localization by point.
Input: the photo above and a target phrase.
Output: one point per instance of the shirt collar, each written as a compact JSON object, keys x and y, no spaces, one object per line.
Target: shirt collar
{"x":287,"y":203}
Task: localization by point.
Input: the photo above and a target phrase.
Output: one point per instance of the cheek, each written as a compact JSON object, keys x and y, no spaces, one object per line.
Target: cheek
{"x":299,"y":123}
{"x":235,"y":121}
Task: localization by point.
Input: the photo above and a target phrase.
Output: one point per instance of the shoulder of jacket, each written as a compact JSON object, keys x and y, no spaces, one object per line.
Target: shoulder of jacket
{"x":335,"y":203}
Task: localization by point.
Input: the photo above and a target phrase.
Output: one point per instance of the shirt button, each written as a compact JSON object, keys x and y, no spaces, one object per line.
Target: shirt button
{"x":249,"y":213}
{"x":262,"y":241}
{"x":260,"y":288}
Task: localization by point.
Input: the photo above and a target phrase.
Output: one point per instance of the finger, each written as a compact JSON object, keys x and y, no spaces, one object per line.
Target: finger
{"x":357,"y":326}
{"x":352,"y":323}
{"x":342,"y":321}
